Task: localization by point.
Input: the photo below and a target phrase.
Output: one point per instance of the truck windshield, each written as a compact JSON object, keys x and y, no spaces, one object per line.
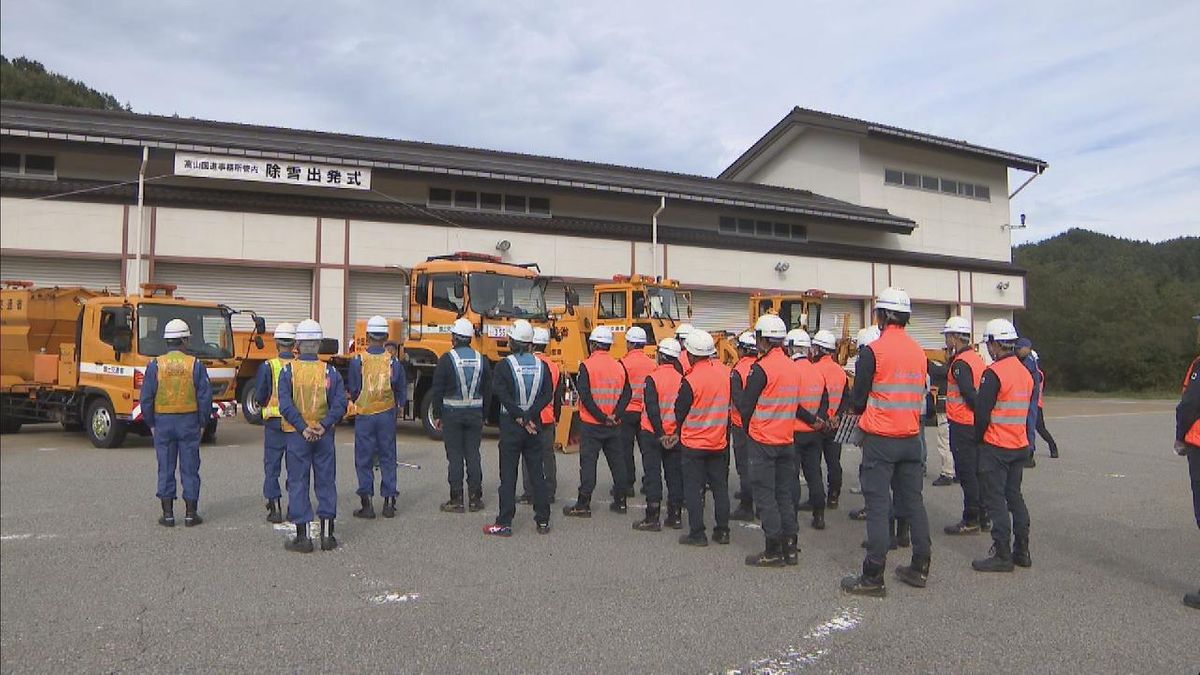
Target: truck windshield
{"x":497,"y":295}
{"x":660,"y":303}
{"x":212,"y":335}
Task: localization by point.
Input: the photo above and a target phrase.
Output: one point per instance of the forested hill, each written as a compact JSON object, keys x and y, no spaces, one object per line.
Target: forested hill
{"x":1110,"y":314}
{"x":23,"y":79}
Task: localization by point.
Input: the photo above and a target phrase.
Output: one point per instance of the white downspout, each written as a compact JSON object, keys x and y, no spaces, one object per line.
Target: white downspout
{"x":654,"y":237}
{"x":137,"y":246}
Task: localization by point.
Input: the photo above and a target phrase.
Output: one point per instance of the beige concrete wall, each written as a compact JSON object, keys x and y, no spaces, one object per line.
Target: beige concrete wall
{"x":821,"y":160}
{"x":332,"y":288}
{"x":235,"y":235}
{"x":923,"y":284}
{"x":986,"y":290}
{"x":748,"y":272}
{"x":49,"y":224}
{"x":333,"y":241}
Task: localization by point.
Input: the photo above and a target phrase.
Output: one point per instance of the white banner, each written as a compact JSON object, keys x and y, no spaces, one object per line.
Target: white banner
{"x":272,"y":171}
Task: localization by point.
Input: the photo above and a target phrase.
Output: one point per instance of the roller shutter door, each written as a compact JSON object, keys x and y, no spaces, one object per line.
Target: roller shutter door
{"x":719,"y":310}
{"x":554,"y":294}
{"x":94,"y":274}
{"x":275,"y":294}
{"x":373,"y":293}
{"x":926,"y":323}
{"x":835,"y":311}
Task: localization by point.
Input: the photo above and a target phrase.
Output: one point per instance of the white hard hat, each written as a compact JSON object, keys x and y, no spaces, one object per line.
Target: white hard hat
{"x":825,"y":338}
{"x":462,"y":328}
{"x":683,"y":330}
{"x":637,"y":335}
{"x":866,"y":336}
{"x":747,"y":340}
{"x":894,"y":299}
{"x":1000,"y":330}
{"x":670,"y":347}
{"x":700,"y":343}
{"x":770,"y":326}
{"x":309,"y":330}
{"x":285,"y":331}
{"x":176,"y":328}
{"x":521,"y":331}
{"x":602,"y":335}
{"x":377,"y":325}
{"x":541,"y":336}
{"x":957,"y":325}
{"x":798,"y":337}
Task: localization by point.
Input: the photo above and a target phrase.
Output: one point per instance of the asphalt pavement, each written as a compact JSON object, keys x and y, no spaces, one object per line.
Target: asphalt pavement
{"x":90,"y":583}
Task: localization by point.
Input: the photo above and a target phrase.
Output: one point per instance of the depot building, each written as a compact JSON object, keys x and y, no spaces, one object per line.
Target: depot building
{"x":294,"y":223}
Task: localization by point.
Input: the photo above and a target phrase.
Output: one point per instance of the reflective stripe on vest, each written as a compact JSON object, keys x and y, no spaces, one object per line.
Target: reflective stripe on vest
{"x":271,"y":410}
{"x":638,"y":366}
{"x":527,"y":376}
{"x":468,"y":367}
{"x":772,"y":423}
{"x":707,"y":423}
{"x":957,"y":410}
{"x":548,"y":417}
{"x":376,"y":395}
{"x":812,"y":389}
{"x":742,"y":372}
{"x":1008,"y":428}
{"x":606,"y":380}
{"x":835,"y":381}
{"x":666,"y":385}
{"x":898,"y":390}
{"x":310,"y":391}
{"x":176,"y":384}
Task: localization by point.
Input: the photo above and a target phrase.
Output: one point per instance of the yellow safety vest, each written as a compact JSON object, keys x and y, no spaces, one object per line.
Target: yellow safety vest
{"x":271,"y":410}
{"x":309,"y":391}
{"x":176,"y":392}
{"x":376,"y":395}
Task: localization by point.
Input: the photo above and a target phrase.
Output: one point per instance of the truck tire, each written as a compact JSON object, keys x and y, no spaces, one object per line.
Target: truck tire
{"x":427,"y":417}
{"x":9,"y":426}
{"x":209,"y":436}
{"x":250,"y":409}
{"x":103,"y":428}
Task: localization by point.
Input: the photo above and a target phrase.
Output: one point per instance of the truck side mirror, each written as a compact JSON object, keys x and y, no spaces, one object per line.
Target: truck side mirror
{"x":122,"y":343}
{"x":260,"y":326}
{"x":258,"y":341}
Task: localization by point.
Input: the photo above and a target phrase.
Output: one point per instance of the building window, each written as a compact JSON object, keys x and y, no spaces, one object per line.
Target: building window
{"x":941,"y":184}
{"x":17,"y":164}
{"x":761,"y":229}
{"x":539,"y":206}
{"x":439,"y":197}
{"x":490,"y":201}
{"x":728,"y":225}
{"x":893,"y":177}
{"x":799,"y":232}
{"x":470,"y":200}
{"x":514,"y":204}
{"x":465,"y":199}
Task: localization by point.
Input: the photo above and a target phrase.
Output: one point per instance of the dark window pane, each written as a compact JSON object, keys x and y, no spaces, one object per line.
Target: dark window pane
{"x":800,"y":232}
{"x":745,"y":226}
{"x":728,"y":225}
{"x":929,"y":182}
{"x":539,"y":205}
{"x":966,"y":189}
{"x":983,"y":192}
{"x":949,"y":186}
{"x":764,"y":228}
{"x":439,"y":197}
{"x":490,"y":201}
{"x":39,"y":165}
{"x":893,"y":176}
{"x":10,"y":162}
{"x":912,"y":179}
{"x":514,"y":203}
{"x":465,"y":199}
{"x":783,"y":230}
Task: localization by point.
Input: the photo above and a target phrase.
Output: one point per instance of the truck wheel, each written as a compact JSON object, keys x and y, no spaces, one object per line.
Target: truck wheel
{"x":250,"y":409}
{"x":210,"y":433}
{"x":103,"y":428}
{"x":9,"y":426}
{"x":427,"y":417}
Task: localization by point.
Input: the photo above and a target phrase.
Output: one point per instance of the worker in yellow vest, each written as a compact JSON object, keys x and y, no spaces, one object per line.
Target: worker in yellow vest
{"x":266,"y":395}
{"x":376,"y":384}
{"x":312,"y":400}
{"x":176,"y":404}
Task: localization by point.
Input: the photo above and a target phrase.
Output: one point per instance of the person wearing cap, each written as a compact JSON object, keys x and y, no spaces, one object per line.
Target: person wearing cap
{"x":681,"y":332}
{"x":702,"y":411}
{"x":889,"y":391}
{"x":1187,"y":443}
{"x":824,"y":346}
{"x":461,"y":380}
{"x":176,"y":400}
{"x":810,"y":427}
{"x":550,"y":415}
{"x":962,"y":385}
{"x":747,"y":345}
{"x":604,"y":394}
{"x":659,"y":441}
{"x":768,"y":408}
{"x":1002,"y":405}
{"x":266,"y":395}
{"x":376,"y":383}
{"x":523,"y":387}
{"x":637,"y":367}
{"x":312,"y":400}
{"x":1026,"y":357}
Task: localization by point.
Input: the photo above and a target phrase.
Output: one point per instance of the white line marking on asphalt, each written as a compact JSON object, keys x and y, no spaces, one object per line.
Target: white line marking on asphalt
{"x":795,"y":657}
{"x":1116,"y":475}
{"x":750,"y":526}
{"x":393,"y":597}
{"x":289,"y":528}
{"x":47,"y":449}
{"x":1123,"y":414}
{"x":21,"y":537}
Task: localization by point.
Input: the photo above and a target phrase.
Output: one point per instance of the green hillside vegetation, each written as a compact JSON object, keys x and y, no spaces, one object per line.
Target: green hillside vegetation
{"x":23,"y":79}
{"x":1108,"y":314}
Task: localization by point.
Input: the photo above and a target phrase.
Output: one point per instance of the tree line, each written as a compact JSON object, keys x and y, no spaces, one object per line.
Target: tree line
{"x":24,"y":79}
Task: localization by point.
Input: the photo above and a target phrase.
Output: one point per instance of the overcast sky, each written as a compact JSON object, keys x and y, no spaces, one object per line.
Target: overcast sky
{"x":1107,"y":92}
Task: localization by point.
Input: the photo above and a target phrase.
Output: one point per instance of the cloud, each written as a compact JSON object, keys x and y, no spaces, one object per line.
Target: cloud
{"x":1108,"y":94}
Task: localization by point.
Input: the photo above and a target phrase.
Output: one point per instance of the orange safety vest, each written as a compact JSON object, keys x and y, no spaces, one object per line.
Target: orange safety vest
{"x":835,"y":381}
{"x":176,"y":392}
{"x":742,"y":372}
{"x":685,"y":361}
{"x":773,"y":420}
{"x":898,"y":390}
{"x":1193,"y":435}
{"x":812,"y":386}
{"x":637,"y":366}
{"x":376,"y":395}
{"x":957,"y":409}
{"x":310,"y":391}
{"x":666,"y":384}
{"x":707,"y":423}
{"x":1008,"y":427}
{"x":548,"y":412}
{"x":1041,"y":385}
{"x":606,"y":379}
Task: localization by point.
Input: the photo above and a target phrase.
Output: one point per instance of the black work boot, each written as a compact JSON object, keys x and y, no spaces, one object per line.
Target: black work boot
{"x":818,"y":519}
{"x":476,"y":503}
{"x":167,"y":519}
{"x":190,"y":516}
{"x":968,"y":525}
{"x":389,"y":507}
{"x":582,"y":508}
{"x":771,"y":556}
{"x":1192,"y":600}
{"x":367,"y":510}
{"x":999,"y":560}
{"x":455,"y":505}
{"x":1020,"y":553}
{"x":744,"y":511}
{"x":903,"y":536}
{"x":1031,"y":462}
{"x":650,"y":522}
{"x":300,"y":543}
{"x":698,"y":539}
{"x":618,"y":504}
{"x":1053,"y":451}
{"x":916,"y":574}
{"x":869,"y":583}
{"x":835,"y":493}
{"x":985,"y":523}
{"x":674,"y":517}
{"x":274,"y":512}
{"x":328,"y":541}
{"x":721,"y":535}
{"x":791,"y":550}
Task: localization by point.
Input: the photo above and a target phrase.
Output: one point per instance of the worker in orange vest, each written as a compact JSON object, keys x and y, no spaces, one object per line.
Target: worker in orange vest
{"x":702,"y":409}
{"x":637,"y":366}
{"x":550,"y":415}
{"x":962,"y":385}
{"x":824,"y":346}
{"x":604,"y":394}
{"x":681,"y":332}
{"x":1006,"y":392}
{"x":889,"y":391}
{"x":810,"y":426}
{"x":660,"y":440}
{"x":1187,"y":442}
{"x":748,"y":354}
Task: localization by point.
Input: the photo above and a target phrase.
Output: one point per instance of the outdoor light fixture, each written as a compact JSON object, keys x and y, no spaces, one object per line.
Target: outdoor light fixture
{"x":1006,"y":226}
{"x":782,"y":266}
{"x":503,"y":245}
{"x":1002,"y":286}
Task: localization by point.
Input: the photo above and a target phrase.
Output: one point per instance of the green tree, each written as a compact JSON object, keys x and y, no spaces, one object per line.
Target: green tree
{"x":24,"y":79}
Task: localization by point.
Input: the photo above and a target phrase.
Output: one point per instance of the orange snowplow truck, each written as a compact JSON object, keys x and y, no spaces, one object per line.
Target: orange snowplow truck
{"x":798,"y":310}
{"x":77,"y":356}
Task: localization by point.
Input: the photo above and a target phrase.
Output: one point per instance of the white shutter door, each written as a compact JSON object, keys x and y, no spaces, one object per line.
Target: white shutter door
{"x":926,"y":323}
{"x":720,"y":311}
{"x":837,"y":312}
{"x":93,"y":274}
{"x":555,"y":298}
{"x":374,"y":293}
{"x":275,"y":294}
